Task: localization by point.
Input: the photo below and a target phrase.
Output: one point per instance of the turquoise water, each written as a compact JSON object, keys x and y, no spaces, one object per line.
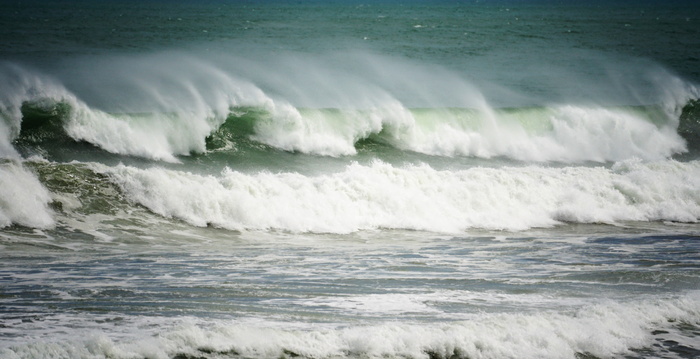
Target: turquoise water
{"x":396,"y":180}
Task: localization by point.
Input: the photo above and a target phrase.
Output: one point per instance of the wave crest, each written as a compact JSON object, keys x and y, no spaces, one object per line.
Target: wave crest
{"x":174,"y":113}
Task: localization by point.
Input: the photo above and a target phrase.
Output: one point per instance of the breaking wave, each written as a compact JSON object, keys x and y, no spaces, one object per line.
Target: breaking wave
{"x":193,"y":106}
{"x":418,"y":197}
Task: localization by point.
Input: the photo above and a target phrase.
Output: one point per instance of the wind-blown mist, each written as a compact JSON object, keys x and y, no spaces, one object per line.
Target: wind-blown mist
{"x":165,"y":105}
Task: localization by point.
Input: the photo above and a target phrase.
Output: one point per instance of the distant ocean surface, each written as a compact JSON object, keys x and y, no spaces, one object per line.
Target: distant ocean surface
{"x":414,"y":180}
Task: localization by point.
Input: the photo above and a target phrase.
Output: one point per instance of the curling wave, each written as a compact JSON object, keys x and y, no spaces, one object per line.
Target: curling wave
{"x":209,"y":109}
{"x":565,"y":133}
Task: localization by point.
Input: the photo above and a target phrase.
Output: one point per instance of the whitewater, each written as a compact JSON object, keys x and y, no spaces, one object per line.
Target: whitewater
{"x":278,"y":180}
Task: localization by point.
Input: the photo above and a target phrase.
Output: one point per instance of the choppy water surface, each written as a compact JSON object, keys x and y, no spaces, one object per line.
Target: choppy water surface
{"x":277,"y":180}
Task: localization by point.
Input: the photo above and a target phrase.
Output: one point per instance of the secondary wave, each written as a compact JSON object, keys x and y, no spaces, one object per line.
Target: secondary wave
{"x":418,"y":197}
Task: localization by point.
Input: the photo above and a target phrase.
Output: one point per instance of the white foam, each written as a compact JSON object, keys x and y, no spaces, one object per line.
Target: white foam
{"x":603,"y":330}
{"x":158,"y":137}
{"x":181,"y":102}
{"x":314,"y":132}
{"x":160,"y":109}
{"x":23,"y":199}
{"x":419,"y":197}
{"x":571,"y":133}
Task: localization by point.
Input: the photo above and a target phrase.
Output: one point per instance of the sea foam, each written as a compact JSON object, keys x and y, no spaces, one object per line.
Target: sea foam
{"x":603,"y":330}
{"x":419,"y":197}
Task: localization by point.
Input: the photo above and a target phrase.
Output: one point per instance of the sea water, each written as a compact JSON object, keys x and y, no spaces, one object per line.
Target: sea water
{"x":222,"y":179}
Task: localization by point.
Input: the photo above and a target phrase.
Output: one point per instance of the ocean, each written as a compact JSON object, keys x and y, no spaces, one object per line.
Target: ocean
{"x":347,"y":179}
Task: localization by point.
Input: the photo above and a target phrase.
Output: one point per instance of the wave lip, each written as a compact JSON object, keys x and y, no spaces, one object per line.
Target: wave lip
{"x":562,"y":134}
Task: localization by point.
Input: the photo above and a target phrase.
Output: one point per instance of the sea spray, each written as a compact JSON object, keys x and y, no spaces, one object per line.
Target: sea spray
{"x":378,"y":97}
{"x":7,"y":150}
{"x":166,"y":105}
{"x":158,"y":135}
{"x":160,"y":106}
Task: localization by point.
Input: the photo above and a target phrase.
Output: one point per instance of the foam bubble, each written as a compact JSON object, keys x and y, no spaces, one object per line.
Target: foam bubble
{"x":424,"y":303}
